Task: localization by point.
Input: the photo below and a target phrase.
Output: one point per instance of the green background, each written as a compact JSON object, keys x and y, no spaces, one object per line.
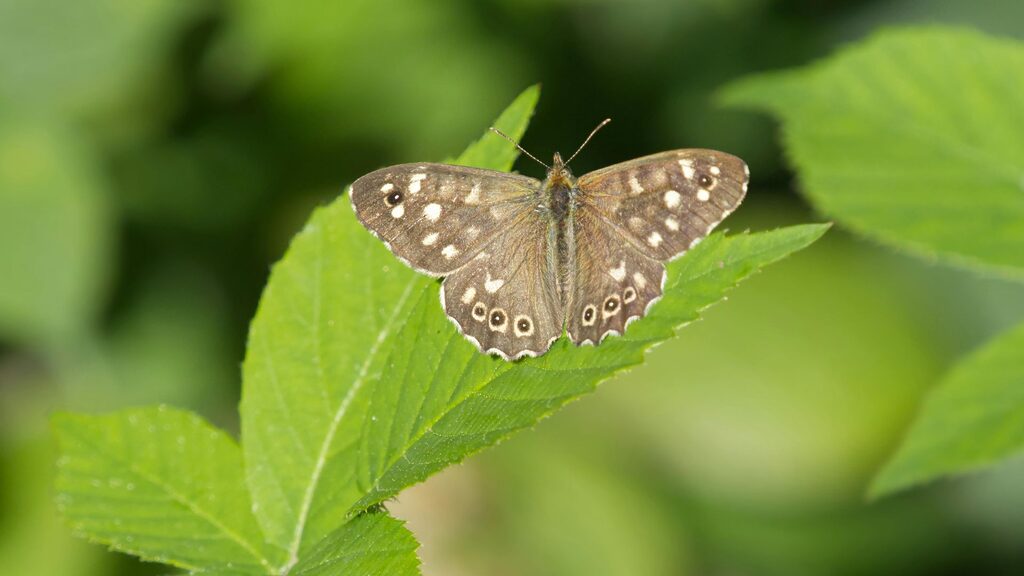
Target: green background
{"x":156,"y":156}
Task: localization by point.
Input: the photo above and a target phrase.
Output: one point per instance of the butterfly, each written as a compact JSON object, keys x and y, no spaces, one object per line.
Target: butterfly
{"x":525,"y":260}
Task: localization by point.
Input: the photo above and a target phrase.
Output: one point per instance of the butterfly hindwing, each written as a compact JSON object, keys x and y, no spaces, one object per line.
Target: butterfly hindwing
{"x":612,"y":282}
{"x":665,"y":203}
{"x":505,"y":299}
{"x":437,"y":217}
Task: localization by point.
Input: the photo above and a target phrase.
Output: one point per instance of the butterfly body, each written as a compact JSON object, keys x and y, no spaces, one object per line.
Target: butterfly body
{"x":525,"y":260}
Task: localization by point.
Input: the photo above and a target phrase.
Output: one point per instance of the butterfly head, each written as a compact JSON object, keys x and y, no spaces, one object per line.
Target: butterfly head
{"x":559,"y":172}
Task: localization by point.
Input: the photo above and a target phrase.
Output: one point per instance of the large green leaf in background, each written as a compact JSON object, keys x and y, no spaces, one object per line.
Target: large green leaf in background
{"x":973,"y":418}
{"x":355,"y":386}
{"x":54,"y":233}
{"x":915,"y":138}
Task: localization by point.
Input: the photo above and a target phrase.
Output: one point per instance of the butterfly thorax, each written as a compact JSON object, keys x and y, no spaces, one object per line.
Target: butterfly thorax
{"x":558,"y":190}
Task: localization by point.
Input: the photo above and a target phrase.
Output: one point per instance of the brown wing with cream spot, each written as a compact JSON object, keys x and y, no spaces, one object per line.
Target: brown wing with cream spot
{"x":665,"y":203}
{"x":437,"y":217}
{"x":505,"y":300}
{"x":612,"y":282}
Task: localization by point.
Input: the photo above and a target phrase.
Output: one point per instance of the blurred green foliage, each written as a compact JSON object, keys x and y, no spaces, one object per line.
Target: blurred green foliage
{"x":156,"y":155}
{"x":911,"y":138}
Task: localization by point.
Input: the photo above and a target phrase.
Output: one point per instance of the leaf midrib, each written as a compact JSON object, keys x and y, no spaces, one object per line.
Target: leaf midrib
{"x":332,"y":429}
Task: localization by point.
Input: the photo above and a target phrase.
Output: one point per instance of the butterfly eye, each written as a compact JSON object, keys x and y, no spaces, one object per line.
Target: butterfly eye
{"x":479,"y":312}
{"x":394,"y":198}
{"x":705,"y":180}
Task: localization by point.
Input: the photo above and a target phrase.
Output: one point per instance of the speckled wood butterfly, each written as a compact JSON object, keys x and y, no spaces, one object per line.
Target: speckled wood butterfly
{"x":525,"y":259}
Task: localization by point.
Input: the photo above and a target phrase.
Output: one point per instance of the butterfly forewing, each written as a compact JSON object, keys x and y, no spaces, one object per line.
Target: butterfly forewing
{"x":437,"y":217}
{"x":505,"y":299}
{"x":665,"y":203}
{"x":611,"y":281}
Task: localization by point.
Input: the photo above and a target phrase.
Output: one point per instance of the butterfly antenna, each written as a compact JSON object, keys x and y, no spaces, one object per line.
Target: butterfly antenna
{"x":516,"y":144}
{"x":592,"y":132}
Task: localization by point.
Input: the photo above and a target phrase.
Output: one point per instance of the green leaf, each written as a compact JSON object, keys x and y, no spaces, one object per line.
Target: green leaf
{"x":356,"y":384}
{"x":305,"y":367}
{"x":492,"y":150}
{"x":55,"y":230}
{"x":973,"y":418}
{"x":912,"y":137}
{"x":161,"y":484}
{"x":439,"y":400}
{"x":371,"y":544}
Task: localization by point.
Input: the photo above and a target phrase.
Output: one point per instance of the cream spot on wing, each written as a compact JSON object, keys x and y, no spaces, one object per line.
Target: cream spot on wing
{"x":398,"y":211}
{"x":472,"y":232}
{"x":432,"y":211}
{"x":658,"y":178}
{"x":450,"y":251}
{"x":671,"y":223}
{"x":687,"y":166}
{"x":634,"y":185}
{"x":414,"y":182}
{"x":430,"y":239}
{"x":672,"y":199}
{"x":474,"y":195}
{"x":695,"y":241}
{"x":468,"y":295}
{"x":744,"y":186}
{"x":654,"y":239}
{"x":703,"y":195}
{"x":493,"y":286}
{"x":387,"y":187}
{"x":636,"y":223}
{"x":639,"y":280}
{"x":715,"y":170}
{"x":619,"y":273}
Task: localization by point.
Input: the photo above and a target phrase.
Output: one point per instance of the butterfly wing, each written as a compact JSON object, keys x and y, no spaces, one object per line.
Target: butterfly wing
{"x":665,"y":203}
{"x":505,"y":299}
{"x":611,"y":281}
{"x":437,"y":217}
{"x":632,"y":217}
